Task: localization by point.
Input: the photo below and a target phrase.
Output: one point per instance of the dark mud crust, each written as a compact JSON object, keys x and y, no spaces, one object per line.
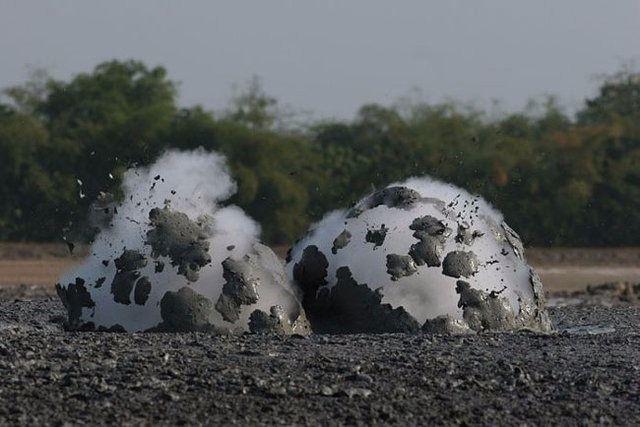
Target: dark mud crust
{"x":52,"y":377}
{"x":352,"y":307}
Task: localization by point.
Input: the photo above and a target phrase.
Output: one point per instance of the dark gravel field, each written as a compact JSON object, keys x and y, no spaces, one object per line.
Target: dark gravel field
{"x":587,"y":373}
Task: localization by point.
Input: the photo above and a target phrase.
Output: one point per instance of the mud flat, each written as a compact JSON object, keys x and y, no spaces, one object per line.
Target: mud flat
{"x":587,"y":373}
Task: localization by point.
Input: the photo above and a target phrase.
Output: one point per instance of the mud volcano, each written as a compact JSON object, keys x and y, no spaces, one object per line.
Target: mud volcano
{"x":169,"y":258}
{"x":421,"y":255}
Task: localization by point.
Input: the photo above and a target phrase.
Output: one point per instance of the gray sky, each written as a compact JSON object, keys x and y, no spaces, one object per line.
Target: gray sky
{"x":332,"y":56}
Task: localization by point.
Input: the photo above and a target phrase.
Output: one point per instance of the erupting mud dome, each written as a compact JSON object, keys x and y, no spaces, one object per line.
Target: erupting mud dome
{"x":417,"y":255}
{"x":169,"y":258}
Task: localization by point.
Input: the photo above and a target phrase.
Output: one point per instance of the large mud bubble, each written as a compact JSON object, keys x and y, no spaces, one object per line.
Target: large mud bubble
{"x":448,"y":263}
{"x":173,"y":259}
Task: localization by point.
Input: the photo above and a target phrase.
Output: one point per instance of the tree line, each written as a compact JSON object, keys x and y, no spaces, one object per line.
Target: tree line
{"x":559,"y":179}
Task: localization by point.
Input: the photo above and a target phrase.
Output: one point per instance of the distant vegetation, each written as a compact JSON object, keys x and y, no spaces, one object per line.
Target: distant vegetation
{"x":559,"y":180}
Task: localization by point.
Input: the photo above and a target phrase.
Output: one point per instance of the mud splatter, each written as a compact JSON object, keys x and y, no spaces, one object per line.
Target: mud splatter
{"x":184,"y":241}
{"x":400,"y":266}
{"x":460,"y":264}
{"x":376,"y":236}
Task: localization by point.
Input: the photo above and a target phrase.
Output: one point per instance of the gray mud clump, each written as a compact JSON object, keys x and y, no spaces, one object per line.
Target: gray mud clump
{"x":446,"y":325}
{"x":428,"y":250}
{"x":376,"y":236}
{"x":277,"y":322}
{"x":392,"y":197}
{"x":432,"y":234}
{"x":259,"y":278}
{"x":127,"y":275}
{"x":484,"y":311}
{"x":430,"y":225}
{"x":535,"y":315}
{"x":341,"y":241}
{"x":460,"y":264}
{"x":400,"y":266}
{"x":184,"y":241}
{"x":185,"y":311}
{"x":490,"y":311}
{"x":240,"y":288}
{"x":130,"y":260}
{"x":74,"y":298}
{"x":350,"y":307}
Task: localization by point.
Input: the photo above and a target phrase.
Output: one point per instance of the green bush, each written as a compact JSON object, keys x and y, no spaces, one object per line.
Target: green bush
{"x":559,"y":181}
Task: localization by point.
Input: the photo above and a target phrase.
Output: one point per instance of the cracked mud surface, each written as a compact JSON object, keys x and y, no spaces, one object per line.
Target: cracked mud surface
{"x":590,"y":373}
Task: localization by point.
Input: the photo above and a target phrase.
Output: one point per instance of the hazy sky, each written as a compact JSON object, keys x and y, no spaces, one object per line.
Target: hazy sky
{"x":332,"y":56}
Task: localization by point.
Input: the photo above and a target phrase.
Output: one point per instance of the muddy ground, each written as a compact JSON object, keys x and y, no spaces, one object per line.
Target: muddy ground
{"x":586,"y":373}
